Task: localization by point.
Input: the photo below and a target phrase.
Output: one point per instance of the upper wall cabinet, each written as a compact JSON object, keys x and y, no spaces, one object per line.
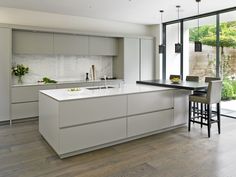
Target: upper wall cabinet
{"x":70,"y":44}
{"x":103,"y":46}
{"x":26,"y":42}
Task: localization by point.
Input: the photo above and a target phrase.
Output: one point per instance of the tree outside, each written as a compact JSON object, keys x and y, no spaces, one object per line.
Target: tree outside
{"x":207,"y":35}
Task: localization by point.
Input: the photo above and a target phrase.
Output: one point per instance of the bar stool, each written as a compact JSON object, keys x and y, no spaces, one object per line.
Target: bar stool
{"x":209,"y":79}
{"x":213,"y":96}
{"x":192,"y":78}
{"x":195,"y":106}
{"x":174,"y":76}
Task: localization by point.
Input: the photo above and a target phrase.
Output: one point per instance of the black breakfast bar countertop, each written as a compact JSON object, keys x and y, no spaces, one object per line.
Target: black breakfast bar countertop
{"x":187,"y":85}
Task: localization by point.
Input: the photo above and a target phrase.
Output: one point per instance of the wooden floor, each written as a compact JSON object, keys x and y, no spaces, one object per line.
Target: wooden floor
{"x":23,"y":153}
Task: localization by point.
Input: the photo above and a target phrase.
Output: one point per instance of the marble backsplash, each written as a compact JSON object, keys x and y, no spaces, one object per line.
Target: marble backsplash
{"x":62,"y":68}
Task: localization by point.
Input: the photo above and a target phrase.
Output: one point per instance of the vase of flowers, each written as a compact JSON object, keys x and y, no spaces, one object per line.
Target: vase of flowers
{"x":20,"y":70}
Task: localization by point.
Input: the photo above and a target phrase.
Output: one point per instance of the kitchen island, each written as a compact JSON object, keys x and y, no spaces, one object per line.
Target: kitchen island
{"x":80,"y":120}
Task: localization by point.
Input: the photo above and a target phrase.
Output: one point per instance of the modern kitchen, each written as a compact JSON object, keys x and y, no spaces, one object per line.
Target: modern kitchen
{"x":95,"y":94}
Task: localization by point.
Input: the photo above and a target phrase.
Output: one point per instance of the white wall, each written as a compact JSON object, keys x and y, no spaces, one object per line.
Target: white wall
{"x":156,"y":31}
{"x":83,"y":24}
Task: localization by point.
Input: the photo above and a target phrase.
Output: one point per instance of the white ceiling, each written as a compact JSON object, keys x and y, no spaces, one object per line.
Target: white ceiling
{"x":134,"y":11}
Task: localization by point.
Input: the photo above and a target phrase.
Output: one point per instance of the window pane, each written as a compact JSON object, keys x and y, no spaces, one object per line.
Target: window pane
{"x":172,"y":58}
{"x":200,"y":63}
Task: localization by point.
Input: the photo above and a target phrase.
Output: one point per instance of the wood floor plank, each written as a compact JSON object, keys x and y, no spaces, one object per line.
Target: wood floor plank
{"x":177,"y":153}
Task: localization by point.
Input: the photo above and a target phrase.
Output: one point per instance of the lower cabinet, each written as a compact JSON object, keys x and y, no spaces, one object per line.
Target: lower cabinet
{"x":24,"y":110}
{"x":85,"y":136}
{"x":145,"y":123}
{"x":181,"y":106}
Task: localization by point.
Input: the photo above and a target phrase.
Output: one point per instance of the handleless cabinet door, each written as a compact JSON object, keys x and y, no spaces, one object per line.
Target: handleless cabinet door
{"x":26,"y":42}
{"x":102,"y":46}
{"x":90,"y":135}
{"x":148,"y":102}
{"x":70,"y":44}
{"x":24,"y":110}
{"x":28,"y":93}
{"x":131,"y":60}
{"x":150,"y":122}
{"x":147,"y":59}
{"x":85,"y":111}
{"x":5,"y":74}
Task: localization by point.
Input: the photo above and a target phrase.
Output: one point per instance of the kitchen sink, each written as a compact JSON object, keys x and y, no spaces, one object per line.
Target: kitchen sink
{"x":97,"y":88}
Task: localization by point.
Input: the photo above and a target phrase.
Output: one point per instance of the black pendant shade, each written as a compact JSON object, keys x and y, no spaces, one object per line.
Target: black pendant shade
{"x":197,"y":46}
{"x":197,"y":43}
{"x":161,"y":48}
{"x":178,"y":48}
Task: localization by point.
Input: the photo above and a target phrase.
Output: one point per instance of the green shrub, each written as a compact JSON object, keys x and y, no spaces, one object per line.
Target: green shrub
{"x":233,"y":82}
{"x":228,"y":90}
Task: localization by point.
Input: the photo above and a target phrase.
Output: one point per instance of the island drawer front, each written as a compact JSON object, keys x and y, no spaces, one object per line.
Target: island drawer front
{"x":148,"y":102}
{"x":82,"y":137}
{"x":28,"y":93}
{"x":91,"y":110}
{"x":150,"y":122}
{"x":24,"y":110}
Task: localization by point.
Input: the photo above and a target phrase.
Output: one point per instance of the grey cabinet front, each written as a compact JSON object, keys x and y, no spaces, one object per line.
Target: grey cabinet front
{"x":102,"y":46}
{"x":26,"y":42}
{"x":131,"y":60}
{"x":70,"y":44}
{"x":147,"y":59}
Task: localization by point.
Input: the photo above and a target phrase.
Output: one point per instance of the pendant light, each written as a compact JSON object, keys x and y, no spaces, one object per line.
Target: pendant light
{"x":197,"y":43}
{"x":162,"y":46}
{"x":178,"y":46}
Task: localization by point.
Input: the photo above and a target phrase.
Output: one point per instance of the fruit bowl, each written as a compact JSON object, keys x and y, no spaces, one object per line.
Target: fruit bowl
{"x":175,"y":80}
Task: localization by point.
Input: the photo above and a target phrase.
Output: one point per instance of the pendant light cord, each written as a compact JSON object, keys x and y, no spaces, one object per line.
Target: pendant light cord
{"x":198,"y":23}
{"x":178,"y":23}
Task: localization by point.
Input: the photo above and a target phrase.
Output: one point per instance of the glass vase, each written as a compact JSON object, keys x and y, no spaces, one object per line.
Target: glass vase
{"x":20,"y":81}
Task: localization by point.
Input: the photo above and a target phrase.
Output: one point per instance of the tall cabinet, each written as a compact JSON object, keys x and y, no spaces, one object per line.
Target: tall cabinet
{"x":131,"y":60}
{"x":5,"y":73}
{"x":136,"y":60}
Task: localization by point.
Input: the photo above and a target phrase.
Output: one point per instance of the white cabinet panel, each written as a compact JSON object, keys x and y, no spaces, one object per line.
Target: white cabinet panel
{"x":131,"y":60}
{"x":91,"y":110}
{"x":70,"y":44}
{"x":5,"y":73}
{"x":82,"y":137}
{"x":24,"y":110}
{"x":26,"y":42}
{"x":147,"y":59}
{"x":146,"y":123}
{"x":102,"y":46}
{"x":28,"y":93}
{"x":151,"y":101}
{"x":181,"y":106}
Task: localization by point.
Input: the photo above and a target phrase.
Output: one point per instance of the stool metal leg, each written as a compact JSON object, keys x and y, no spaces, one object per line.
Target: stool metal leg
{"x":189,"y":115}
{"x":209,"y":120}
{"x":201,"y":115}
{"x":218,"y":117}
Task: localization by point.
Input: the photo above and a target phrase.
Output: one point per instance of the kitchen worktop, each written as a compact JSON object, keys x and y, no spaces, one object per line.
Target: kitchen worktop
{"x":83,"y":93}
{"x":62,"y":82}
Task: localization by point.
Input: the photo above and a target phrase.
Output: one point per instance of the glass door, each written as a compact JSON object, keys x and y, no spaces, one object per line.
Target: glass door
{"x":203,"y":63}
{"x":172,"y":58}
{"x":228,"y":62}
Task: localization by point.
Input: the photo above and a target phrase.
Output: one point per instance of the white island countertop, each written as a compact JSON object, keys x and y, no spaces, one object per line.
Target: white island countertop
{"x":84,"y":93}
